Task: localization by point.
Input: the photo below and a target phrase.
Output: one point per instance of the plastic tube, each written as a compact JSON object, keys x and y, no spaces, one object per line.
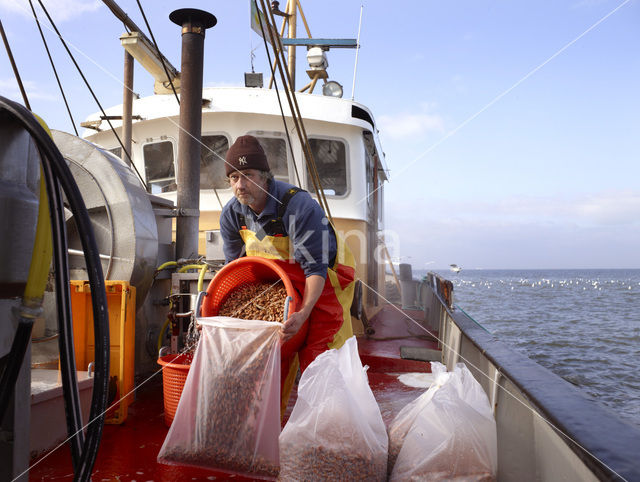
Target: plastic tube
{"x":164,"y":327}
{"x":166,"y":265}
{"x":203,"y":270}
{"x":201,"y":267}
{"x":42,"y":250}
{"x":32,"y":299}
{"x":57,"y":174}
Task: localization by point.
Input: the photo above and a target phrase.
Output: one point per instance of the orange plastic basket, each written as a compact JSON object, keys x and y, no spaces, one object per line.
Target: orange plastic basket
{"x":174,"y":373}
{"x":248,"y":270}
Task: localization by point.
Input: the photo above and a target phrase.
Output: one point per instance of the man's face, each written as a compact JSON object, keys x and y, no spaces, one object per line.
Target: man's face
{"x":249,"y":187}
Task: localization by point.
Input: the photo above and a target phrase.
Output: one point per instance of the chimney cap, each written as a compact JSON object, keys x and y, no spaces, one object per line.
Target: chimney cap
{"x":193,"y":15}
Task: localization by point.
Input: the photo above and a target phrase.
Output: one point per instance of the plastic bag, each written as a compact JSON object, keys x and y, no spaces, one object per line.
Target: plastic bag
{"x":404,"y":420}
{"x":447,"y":433}
{"x":335,"y":431}
{"x":228,"y":417}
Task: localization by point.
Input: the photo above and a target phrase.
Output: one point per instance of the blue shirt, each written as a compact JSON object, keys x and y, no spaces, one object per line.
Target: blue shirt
{"x":312,"y":240}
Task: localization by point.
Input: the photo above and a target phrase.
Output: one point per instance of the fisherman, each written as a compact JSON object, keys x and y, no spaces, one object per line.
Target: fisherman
{"x":278,"y":221}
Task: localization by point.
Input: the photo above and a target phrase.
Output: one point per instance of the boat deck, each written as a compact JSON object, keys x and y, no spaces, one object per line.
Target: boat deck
{"x":128,"y":451}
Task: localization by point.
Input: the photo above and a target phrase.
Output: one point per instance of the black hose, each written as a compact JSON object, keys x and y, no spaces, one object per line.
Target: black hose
{"x":65,"y":323}
{"x":58,"y":175}
{"x":14,"y":362}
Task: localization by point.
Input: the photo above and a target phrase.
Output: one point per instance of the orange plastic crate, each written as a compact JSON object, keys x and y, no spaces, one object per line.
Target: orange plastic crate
{"x":121,"y":302}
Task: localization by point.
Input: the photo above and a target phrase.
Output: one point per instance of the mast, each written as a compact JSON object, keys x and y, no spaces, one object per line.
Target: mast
{"x":127,"y":106}
{"x":292,"y":19}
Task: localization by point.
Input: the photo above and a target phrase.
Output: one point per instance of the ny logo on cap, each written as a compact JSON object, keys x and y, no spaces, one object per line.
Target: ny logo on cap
{"x":242,"y":160}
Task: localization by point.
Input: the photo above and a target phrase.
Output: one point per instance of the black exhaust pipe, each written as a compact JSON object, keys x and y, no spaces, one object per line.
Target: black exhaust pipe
{"x":194,"y":22}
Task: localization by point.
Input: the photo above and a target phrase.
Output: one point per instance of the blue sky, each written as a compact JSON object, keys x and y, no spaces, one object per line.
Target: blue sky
{"x":510,"y":128}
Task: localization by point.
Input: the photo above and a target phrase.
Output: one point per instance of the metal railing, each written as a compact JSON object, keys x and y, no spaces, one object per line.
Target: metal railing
{"x":547,"y":428}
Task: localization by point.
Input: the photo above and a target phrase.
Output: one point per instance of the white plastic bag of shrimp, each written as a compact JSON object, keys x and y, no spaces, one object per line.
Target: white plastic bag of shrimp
{"x":404,"y":420}
{"x":447,"y":433}
{"x":228,"y":417}
{"x":335,"y":431}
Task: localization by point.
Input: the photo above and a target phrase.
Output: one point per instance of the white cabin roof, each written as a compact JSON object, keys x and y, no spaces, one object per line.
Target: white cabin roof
{"x":249,"y":100}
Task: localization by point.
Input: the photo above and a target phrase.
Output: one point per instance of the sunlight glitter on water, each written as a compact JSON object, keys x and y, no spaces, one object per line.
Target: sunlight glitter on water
{"x":577,"y":323}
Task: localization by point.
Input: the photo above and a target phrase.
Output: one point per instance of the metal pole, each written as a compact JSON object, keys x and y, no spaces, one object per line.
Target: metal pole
{"x":194,"y":23}
{"x":292,"y":48}
{"x":355,"y":66}
{"x":127,"y":107}
{"x":123,"y":17}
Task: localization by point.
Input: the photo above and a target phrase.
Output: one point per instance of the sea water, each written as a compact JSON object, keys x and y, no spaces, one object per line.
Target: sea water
{"x":583,"y":325}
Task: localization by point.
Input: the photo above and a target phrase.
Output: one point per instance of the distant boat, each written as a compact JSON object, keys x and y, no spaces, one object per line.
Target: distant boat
{"x":455,"y":268}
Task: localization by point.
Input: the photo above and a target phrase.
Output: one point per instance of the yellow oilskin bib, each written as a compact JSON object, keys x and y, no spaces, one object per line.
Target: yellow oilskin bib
{"x":277,"y":247}
{"x":270,"y":247}
{"x":335,"y":302}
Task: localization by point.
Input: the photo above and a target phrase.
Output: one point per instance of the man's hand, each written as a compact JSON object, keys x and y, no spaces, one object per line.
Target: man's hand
{"x":312,"y":291}
{"x":292,"y":325}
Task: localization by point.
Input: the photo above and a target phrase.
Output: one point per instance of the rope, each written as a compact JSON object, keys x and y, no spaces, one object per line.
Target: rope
{"x":160,"y":56}
{"x":284,"y":120}
{"x":14,"y":66}
{"x":55,"y":72}
{"x":295,"y":110}
{"x":91,"y":91}
{"x":302,"y":133}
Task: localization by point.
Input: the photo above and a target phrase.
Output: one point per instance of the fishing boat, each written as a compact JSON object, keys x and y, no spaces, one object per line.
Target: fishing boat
{"x":150,"y":176}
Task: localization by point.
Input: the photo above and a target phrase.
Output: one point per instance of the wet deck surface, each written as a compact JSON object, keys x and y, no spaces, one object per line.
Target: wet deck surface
{"x":128,"y":451}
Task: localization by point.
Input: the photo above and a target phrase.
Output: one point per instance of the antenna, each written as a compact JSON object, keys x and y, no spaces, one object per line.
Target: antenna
{"x":355,"y":67}
{"x":253,"y":56}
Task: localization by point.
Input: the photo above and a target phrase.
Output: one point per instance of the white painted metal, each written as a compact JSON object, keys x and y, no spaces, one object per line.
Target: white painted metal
{"x":528,"y":446}
{"x":236,"y":111}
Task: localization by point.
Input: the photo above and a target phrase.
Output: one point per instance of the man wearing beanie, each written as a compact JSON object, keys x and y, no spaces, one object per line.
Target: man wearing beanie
{"x":278,"y":221}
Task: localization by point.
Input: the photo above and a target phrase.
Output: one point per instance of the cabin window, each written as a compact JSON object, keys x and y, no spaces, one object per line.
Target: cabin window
{"x":116,"y":151}
{"x":212,"y":158}
{"x":331,"y":163}
{"x":277,"y":156}
{"x":159,"y":167}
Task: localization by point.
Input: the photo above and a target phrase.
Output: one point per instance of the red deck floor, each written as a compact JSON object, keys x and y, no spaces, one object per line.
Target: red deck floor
{"x":128,"y":451}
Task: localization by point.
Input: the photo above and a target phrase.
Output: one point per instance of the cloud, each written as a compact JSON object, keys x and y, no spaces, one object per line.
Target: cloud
{"x":502,"y":243}
{"x":590,"y":230}
{"x":459,"y":84}
{"x":60,"y":10}
{"x":410,"y":124}
{"x":9,"y":88}
{"x":611,"y":208}
{"x":586,"y":4}
{"x":607,"y":208}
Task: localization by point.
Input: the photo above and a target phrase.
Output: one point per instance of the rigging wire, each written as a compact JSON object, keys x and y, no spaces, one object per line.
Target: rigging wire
{"x":295,"y":110}
{"x":297,"y":116}
{"x":166,"y":71}
{"x":284,"y":119}
{"x":282,"y":27}
{"x":14,"y":67}
{"x":92,"y":92}
{"x":160,"y":56}
{"x":55,"y":72}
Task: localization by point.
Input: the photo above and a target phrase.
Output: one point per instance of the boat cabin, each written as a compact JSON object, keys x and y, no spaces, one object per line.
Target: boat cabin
{"x":343,"y":140}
